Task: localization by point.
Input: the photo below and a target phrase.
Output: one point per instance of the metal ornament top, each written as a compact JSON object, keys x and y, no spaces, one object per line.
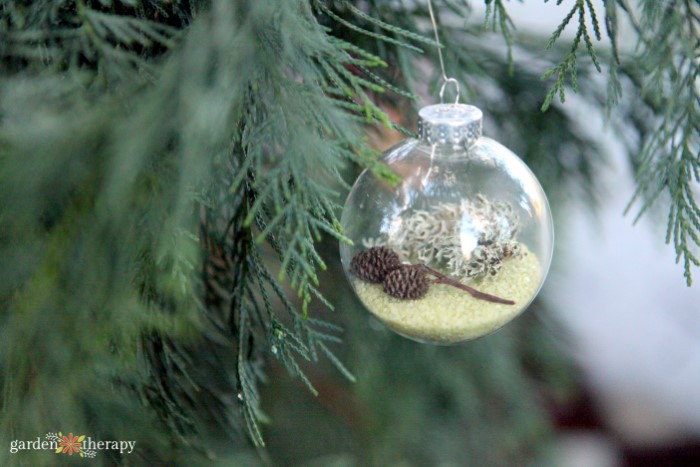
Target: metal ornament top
{"x":456,"y":125}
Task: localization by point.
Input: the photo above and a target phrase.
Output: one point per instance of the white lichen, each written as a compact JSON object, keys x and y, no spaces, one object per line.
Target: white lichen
{"x":469,"y":239}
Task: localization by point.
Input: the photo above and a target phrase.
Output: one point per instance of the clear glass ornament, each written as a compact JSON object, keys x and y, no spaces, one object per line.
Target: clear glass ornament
{"x":470,"y":218}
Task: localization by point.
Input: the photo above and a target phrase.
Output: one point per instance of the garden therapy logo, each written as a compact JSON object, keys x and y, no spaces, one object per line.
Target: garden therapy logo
{"x":70,"y":444}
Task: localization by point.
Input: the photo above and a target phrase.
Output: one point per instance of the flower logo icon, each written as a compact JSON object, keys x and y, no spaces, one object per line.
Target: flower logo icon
{"x":70,"y":444}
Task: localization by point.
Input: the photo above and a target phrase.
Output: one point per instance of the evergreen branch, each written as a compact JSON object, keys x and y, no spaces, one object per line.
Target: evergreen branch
{"x":335,"y":79}
{"x":327,"y":11}
{"x":352,"y":86}
{"x":283,"y":342}
{"x":497,"y":14}
{"x":594,"y":19}
{"x":115,"y":46}
{"x":324,"y":301}
{"x":611,"y":27}
{"x":279,"y":336}
{"x":337,"y":363}
{"x":372,"y":59}
{"x":320,"y":336}
{"x":387,"y":85}
{"x":325,"y":325}
{"x":669,"y":158}
{"x":557,"y":32}
{"x":356,"y":81}
{"x":568,"y":65}
{"x":589,"y":43}
{"x":389,"y":27}
{"x":248,"y":395}
{"x":367,"y":157}
{"x":614,"y":88}
{"x":126,"y":31}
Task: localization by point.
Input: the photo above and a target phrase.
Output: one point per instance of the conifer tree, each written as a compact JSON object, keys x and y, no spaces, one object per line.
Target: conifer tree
{"x":171,"y":175}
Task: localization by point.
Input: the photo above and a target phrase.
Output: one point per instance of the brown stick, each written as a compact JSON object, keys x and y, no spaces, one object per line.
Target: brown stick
{"x":443,"y":279}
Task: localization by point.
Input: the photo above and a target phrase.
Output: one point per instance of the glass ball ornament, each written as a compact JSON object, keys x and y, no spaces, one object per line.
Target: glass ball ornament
{"x":461,"y":246}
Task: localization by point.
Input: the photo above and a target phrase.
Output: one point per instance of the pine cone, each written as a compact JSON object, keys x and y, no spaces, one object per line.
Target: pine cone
{"x":374,"y":264}
{"x":407,"y":282}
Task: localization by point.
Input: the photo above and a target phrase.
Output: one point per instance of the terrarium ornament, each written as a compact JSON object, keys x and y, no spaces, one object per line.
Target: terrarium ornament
{"x":462,"y":244}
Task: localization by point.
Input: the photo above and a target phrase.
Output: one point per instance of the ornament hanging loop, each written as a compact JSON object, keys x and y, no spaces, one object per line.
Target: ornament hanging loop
{"x":445,"y":79}
{"x":444,"y":85}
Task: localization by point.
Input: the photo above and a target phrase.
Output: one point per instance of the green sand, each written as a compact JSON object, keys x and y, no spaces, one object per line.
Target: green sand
{"x":447,"y":315}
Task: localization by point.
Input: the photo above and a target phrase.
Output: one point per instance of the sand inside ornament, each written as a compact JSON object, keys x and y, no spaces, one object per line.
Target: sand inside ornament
{"x":446,"y":314}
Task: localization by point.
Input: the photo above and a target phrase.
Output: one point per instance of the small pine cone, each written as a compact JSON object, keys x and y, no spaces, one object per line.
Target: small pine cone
{"x":407,"y":282}
{"x":374,"y":264}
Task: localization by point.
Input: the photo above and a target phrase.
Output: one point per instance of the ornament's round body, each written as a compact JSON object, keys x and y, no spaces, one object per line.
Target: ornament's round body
{"x":466,"y":208}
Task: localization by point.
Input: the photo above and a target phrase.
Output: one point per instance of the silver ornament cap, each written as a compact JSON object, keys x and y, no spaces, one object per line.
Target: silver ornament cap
{"x":450,"y":124}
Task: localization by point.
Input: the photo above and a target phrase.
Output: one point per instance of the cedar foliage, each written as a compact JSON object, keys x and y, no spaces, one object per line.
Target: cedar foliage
{"x":171,"y":173}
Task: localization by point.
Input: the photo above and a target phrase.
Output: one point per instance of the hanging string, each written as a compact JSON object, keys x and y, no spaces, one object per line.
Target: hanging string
{"x":445,"y":79}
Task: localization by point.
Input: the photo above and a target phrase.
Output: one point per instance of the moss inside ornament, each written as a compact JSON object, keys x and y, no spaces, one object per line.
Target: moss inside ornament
{"x":467,"y":233}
